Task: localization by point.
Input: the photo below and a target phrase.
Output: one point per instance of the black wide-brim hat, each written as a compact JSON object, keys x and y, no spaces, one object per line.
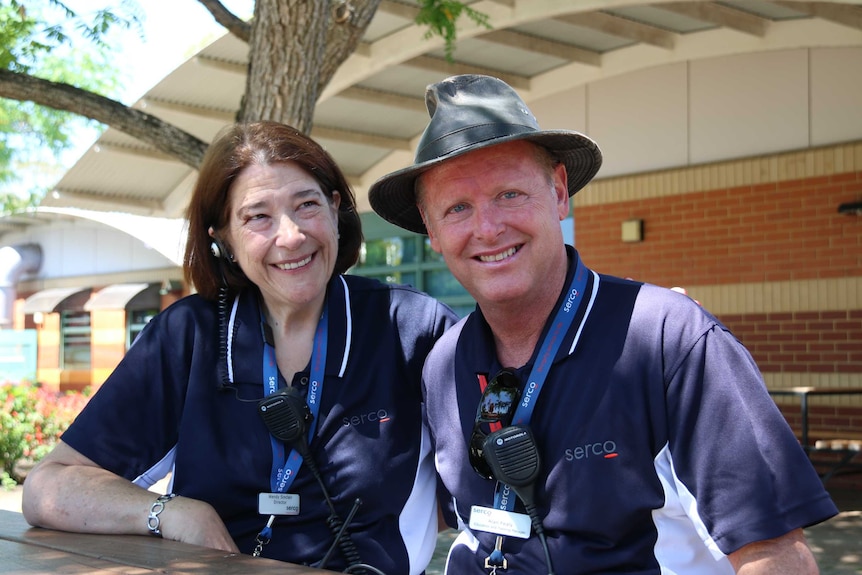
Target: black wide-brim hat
{"x":471,"y":112}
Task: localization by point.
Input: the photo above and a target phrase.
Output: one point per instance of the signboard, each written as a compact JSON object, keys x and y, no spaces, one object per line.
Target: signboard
{"x":17,"y":355}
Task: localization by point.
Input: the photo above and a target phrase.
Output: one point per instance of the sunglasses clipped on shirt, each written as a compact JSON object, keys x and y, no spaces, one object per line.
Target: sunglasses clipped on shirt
{"x":496,"y":409}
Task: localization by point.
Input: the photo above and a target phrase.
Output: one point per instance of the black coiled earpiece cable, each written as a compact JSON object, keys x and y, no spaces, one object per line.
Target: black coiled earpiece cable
{"x":222,"y":338}
{"x":287,"y":416}
{"x":342,"y":541}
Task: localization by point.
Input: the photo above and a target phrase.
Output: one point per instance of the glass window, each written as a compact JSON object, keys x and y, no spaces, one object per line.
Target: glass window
{"x":441,"y":284}
{"x":393,"y":255}
{"x":391,"y":252}
{"x":395,"y":277}
{"x":137,"y":319}
{"x":75,"y":333}
{"x":428,"y":254}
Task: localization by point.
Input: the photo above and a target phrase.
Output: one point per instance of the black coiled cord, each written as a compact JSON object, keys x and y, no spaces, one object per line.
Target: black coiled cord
{"x":334,"y":522}
{"x":222,"y":337}
{"x":342,"y":538}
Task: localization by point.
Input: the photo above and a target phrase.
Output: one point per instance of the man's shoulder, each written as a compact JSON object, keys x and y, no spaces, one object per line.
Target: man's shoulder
{"x":445,"y":347}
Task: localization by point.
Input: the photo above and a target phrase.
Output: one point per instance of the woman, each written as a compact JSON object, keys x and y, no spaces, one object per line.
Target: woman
{"x":283,"y":397}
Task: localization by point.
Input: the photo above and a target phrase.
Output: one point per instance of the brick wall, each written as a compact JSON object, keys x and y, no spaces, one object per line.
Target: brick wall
{"x":756,"y":233}
{"x":810,"y":341}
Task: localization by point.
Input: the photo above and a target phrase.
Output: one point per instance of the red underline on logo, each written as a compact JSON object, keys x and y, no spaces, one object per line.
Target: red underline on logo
{"x":611,"y":455}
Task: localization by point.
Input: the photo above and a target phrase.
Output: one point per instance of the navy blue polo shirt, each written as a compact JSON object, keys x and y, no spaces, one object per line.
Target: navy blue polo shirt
{"x":660,"y":447}
{"x":166,"y":406}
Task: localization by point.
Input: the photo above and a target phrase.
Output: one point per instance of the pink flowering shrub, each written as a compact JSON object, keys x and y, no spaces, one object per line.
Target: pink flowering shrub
{"x":31,"y":422}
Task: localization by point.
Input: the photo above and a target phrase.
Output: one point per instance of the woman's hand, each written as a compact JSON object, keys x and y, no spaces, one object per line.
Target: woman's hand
{"x":69,"y":492}
{"x":196,"y":522}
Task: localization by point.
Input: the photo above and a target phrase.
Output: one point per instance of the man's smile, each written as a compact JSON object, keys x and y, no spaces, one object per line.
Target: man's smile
{"x":499,"y":256}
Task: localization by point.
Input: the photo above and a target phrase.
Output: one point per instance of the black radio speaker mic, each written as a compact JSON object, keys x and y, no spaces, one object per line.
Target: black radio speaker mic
{"x":286,"y":415}
{"x":513,"y":457}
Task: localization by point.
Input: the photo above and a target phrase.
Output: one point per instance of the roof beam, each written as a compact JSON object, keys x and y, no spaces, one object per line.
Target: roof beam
{"x":361,"y":138}
{"x":224,"y":65}
{"x":379,"y":97}
{"x":529,"y":43}
{"x":191,"y":109}
{"x":720,"y":15}
{"x":398,"y":9}
{"x":409,"y":11}
{"x":621,"y":27}
{"x":149,"y":153}
{"x":843,"y":14}
{"x":117,"y":203}
{"x":441,"y":66}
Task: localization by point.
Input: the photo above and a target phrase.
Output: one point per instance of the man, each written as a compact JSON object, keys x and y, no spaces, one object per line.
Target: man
{"x":635,"y":430}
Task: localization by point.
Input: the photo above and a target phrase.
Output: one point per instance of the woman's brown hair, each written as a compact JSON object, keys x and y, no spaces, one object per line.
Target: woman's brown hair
{"x":233,"y":150}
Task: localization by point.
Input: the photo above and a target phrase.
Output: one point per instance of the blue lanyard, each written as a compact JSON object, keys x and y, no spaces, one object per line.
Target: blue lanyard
{"x":284,"y":470}
{"x":547,"y":352}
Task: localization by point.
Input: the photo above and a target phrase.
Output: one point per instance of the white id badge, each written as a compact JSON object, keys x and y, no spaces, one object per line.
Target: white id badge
{"x":500,"y":521}
{"x":278,"y":504}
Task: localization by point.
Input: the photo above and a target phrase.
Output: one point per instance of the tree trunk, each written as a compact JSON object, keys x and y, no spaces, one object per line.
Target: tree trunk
{"x":294,"y":49}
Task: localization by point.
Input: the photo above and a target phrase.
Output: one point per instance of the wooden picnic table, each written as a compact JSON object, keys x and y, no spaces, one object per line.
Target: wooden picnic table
{"x":26,"y":550}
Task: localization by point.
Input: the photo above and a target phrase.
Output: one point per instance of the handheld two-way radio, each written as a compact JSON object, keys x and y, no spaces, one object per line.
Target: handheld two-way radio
{"x":513,"y":457}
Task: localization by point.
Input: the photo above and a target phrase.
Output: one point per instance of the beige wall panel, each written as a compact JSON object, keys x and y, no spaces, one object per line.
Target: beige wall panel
{"x":836,"y":84}
{"x":792,"y":296}
{"x":747,"y":105}
{"x":563,"y":111}
{"x":640,"y":119}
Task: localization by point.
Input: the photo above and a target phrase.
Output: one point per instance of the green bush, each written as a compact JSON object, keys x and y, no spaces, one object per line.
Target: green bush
{"x":31,"y":422}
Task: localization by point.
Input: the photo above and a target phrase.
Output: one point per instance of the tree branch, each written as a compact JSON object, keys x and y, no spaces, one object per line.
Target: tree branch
{"x":226,"y":18}
{"x":147,"y":128}
{"x":343,"y":37}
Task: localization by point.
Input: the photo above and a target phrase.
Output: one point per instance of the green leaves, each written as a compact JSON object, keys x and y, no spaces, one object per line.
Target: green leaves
{"x":50,"y":40}
{"x":441,"y":17}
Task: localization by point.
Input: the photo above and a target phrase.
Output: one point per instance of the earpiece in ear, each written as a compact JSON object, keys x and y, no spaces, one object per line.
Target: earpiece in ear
{"x":219,"y":250}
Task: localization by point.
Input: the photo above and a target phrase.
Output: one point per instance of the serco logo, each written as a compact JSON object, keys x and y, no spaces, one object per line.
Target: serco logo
{"x":604,"y":449}
{"x":379,"y":416}
{"x":571,"y":299}
{"x":528,"y":394}
{"x":312,"y":395}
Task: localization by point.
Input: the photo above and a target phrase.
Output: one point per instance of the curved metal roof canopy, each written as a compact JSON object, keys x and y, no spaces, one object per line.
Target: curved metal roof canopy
{"x":372,"y":113}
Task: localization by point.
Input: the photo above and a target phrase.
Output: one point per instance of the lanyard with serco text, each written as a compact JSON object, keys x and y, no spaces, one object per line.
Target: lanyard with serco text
{"x":284,"y":469}
{"x":547,"y":352}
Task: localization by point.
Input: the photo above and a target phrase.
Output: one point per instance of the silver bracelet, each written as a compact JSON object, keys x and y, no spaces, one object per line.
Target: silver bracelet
{"x":153,"y":521}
